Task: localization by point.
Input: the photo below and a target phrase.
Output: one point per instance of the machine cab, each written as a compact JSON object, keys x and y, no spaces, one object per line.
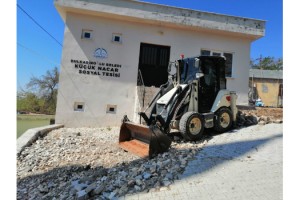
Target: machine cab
{"x":209,"y":71}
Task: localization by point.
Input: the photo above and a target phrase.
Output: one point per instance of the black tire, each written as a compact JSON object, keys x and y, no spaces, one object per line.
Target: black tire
{"x":191,"y":126}
{"x":223,"y":120}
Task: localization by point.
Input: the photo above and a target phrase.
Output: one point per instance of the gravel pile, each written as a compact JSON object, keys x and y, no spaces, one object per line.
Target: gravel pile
{"x":86,"y":163}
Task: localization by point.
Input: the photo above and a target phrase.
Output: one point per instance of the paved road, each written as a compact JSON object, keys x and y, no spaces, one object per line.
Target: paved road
{"x":245,"y":164}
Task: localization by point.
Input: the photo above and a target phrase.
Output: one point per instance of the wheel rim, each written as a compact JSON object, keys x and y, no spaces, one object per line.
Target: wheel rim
{"x":225,"y":120}
{"x":195,"y":126}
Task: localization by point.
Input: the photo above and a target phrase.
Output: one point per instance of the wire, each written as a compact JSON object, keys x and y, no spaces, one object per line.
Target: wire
{"x":72,"y":81}
{"x":38,"y":24}
{"x":48,"y":59}
{"x":37,"y":54}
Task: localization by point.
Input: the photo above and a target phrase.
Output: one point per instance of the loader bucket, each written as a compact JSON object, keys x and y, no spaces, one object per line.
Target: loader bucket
{"x":141,"y":140}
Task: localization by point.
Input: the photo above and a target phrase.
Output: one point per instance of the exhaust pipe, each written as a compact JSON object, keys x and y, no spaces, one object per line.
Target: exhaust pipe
{"x":233,"y":107}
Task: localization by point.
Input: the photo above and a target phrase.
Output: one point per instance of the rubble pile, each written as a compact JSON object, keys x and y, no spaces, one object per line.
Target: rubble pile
{"x":259,"y":116}
{"x":86,"y":163}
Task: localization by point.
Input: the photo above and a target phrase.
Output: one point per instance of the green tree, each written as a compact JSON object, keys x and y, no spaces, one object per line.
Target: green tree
{"x":45,"y":89}
{"x":267,"y":63}
{"x":29,"y":102}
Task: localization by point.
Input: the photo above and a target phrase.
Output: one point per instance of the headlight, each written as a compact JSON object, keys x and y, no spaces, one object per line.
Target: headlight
{"x":160,"y":110}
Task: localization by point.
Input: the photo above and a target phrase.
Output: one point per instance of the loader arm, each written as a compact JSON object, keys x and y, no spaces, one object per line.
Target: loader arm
{"x":162,"y":91}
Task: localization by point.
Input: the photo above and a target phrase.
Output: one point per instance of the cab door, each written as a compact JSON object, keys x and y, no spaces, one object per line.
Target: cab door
{"x":213,"y":80}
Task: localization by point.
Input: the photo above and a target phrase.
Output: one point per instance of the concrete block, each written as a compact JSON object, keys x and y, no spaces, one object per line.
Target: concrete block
{"x":31,"y":135}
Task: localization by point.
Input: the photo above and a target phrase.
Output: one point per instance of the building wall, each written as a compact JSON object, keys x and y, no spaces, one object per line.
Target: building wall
{"x":98,"y":91}
{"x":268,"y":91}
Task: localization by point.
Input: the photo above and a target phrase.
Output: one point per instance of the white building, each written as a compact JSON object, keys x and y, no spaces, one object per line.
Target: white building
{"x":106,"y":42}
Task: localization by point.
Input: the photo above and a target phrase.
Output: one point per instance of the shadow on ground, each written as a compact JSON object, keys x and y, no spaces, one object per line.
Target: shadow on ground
{"x":214,"y":155}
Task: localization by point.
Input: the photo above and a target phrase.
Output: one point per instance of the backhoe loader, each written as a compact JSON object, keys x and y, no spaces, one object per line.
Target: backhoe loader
{"x":194,"y":98}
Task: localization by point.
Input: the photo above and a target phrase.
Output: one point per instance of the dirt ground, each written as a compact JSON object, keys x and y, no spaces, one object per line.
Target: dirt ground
{"x":273,"y":113}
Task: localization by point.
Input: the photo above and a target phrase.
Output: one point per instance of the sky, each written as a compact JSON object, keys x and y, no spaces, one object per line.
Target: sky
{"x":38,"y":52}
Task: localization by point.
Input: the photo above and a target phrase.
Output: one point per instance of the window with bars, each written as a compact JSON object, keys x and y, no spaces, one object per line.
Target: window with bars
{"x":153,"y":64}
{"x":155,"y":56}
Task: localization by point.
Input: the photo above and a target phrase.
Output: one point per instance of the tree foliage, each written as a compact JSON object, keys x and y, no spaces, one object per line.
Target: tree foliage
{"x":267,"y":63}
{"x":28,"y":101}
{"x":41,"y":94}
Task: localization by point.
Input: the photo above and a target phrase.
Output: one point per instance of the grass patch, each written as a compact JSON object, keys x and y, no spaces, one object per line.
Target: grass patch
{"x":34,"y":117}
{"x":25,"y":122}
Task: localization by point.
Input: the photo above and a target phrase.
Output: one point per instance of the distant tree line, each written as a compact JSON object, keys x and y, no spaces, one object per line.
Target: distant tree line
{"x":40,"y":95}
{"x":267,"y":63}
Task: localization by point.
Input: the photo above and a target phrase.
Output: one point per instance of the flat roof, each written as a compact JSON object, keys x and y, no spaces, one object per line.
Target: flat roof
{"x":269,"y":74}
{"x":140,"y":11}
